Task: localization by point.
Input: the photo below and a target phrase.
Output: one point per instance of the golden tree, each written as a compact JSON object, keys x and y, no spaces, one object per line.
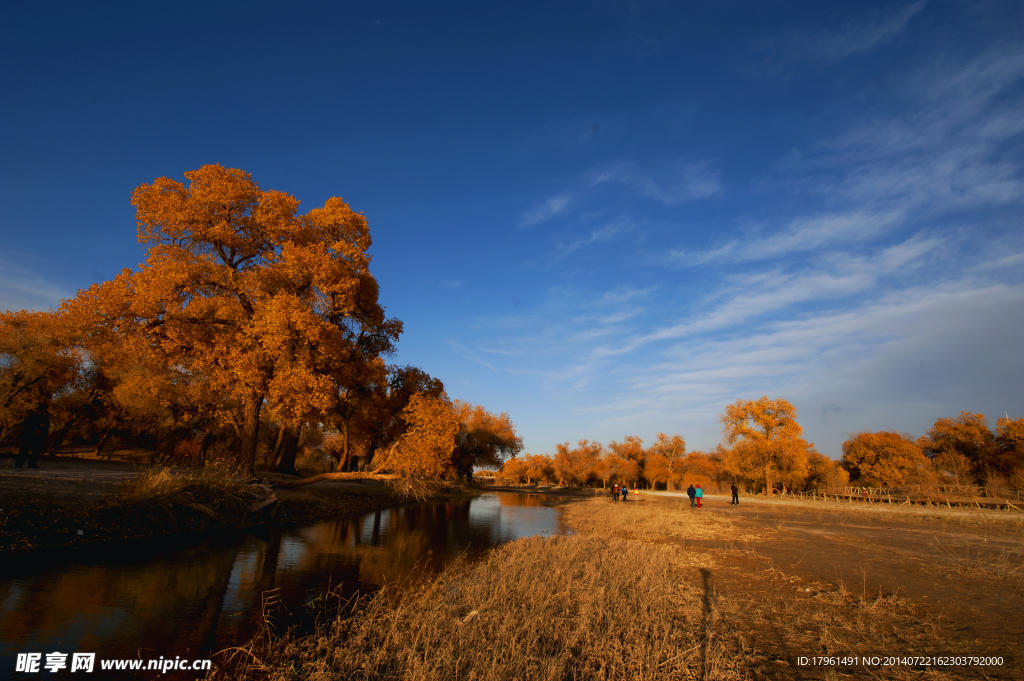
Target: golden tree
{"x":886,"y":458}
{"x":631,"y":454}
{"x":961,"y":447}
{"x":577,"y":466}
{"x":485,"y":439}
{"x":1009,"y":457}
{"x":376,"y":409}
{"x":515,"y":470}
{"x":698,"y":468}
{"x":268,"y":306}
{"x":36,"y":364}
{"x":425,"y":449}
{"x":539,"y":468}
{"x":664,"y":460}
{"x":825,"y":474}
{"x":766,"y":440}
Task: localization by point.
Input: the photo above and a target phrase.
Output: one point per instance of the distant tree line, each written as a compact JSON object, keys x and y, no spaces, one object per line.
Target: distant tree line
{"x":251,"y":333}
{"x":763,"y":450}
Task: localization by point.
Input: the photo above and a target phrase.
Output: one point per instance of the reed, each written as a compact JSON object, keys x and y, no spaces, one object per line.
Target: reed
{"x":567,"y":607}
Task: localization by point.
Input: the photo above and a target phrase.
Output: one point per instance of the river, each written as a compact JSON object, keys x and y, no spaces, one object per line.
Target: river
{"x":174,"y":598}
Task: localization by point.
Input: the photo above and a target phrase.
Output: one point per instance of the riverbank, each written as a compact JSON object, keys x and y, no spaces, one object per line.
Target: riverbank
{"x":70,"y":503}
{"x":656,"y":590}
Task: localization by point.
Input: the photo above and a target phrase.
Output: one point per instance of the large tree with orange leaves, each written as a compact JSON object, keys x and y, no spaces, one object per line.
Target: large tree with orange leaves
{"x":665,"y":460}
{"x":961,"y":447}
{"x":36,"y":365}
{"x":271,"y":308}
{"x":425,"y":449}
{"x":884,"y":457}
{"x":766,"y":439}
{"x":485,"y":439}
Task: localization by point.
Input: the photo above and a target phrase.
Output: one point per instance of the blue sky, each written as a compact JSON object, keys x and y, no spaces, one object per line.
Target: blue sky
{"x":603,"y":218}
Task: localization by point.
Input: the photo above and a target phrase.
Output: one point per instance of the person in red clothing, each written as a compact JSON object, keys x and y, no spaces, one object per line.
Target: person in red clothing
{"x":699,"y":493}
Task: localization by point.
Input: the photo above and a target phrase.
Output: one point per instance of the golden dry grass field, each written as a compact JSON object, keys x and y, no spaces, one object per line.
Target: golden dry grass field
{"x":655,"y":590}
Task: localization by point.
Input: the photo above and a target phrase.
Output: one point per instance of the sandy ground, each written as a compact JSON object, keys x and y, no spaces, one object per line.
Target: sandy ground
{"x":959,"y":572}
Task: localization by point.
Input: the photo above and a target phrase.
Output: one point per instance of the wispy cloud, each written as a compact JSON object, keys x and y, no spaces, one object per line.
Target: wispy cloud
{"x":546,"y":209}
{"x":944,"y":151}
{"x":751,"y":297}
{"x":830,"y":46}
{"x":888,"y":360}
{"x":469,"y":354}
{"x":605,"y":233}
{"x":690,"y":182}
{"x":804,"y":234}
{"x":22,"y":289}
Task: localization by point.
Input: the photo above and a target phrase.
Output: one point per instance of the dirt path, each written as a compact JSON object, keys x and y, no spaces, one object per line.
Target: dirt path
{"x":958,"y":574}
{"x":65,"y":479}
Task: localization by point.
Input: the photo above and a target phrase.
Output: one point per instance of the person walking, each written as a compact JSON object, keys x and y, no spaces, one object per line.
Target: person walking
{"x":735,"y":495}
{"x":692,"y":493}
{"x":699,"y":493}
{"x":33,"y":436}
{"x":625,"y":493}
{"x":615,"y":492}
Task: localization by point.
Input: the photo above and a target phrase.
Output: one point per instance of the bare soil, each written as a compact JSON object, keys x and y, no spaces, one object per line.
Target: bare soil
{"x":831,"y":579}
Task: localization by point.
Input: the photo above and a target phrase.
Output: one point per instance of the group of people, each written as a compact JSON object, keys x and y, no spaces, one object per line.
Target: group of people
{"x":696,"y":495}
{"x":624,"y":491}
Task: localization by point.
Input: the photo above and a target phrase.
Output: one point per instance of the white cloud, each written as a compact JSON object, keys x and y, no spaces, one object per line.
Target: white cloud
{"x":898,"y":362}
{"x":690,"y":182}
{"x":547,"y":209}
{"x":21,"y":289}
{"x":804,"y":234}
{"x":469,"y":354}
{"x":830,"y":46}
{"x":606,"y":233}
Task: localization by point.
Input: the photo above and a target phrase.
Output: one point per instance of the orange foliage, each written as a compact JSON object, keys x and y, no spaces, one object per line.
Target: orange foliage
{"x":767,"y":442}
{"x":885,"y":458}
{"x":576,"y":466}
{"x":1009,"y":459}
{"x":665,"y":460}
{"x":630,"y":454}
{"x":425,"y":450}
{"x":268,"y":307}
{"x":484,"y":439}
{"x":824,"y":474}
{"x":36,"y":364}
{"x":960,"y":447}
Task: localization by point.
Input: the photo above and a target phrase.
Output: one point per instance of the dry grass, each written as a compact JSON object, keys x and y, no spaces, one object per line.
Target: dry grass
{"x":963,"y":558}
{"x":653,"y":521}
{"x":620,"y":599}
{"x":214,"y":492}
{"x":539,"y":608}
{"x":963,"y":515}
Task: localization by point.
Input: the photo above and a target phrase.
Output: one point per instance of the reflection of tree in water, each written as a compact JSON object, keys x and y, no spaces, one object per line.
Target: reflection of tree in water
{"x":209,"y":596}
{"x":512,"y":499}
{"x":118,"y":612}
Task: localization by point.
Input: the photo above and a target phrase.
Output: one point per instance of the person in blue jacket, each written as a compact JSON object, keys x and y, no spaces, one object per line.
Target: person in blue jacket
{"x":691,"y":492}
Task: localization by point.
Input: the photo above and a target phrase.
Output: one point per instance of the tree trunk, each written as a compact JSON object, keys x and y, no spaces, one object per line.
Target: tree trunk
{"x":343,"y":460}
{"x":205,"y":446}
{"x":285,"y":461}
{"x":58,"y":437}
{"x":250,"y":433}
{"x":276,"y":456}
{"x":102,"y":442}
{"x":769,"y":490}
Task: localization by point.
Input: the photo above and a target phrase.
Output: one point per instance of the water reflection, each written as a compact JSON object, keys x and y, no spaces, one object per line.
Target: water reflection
{"x":158,"y":600}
